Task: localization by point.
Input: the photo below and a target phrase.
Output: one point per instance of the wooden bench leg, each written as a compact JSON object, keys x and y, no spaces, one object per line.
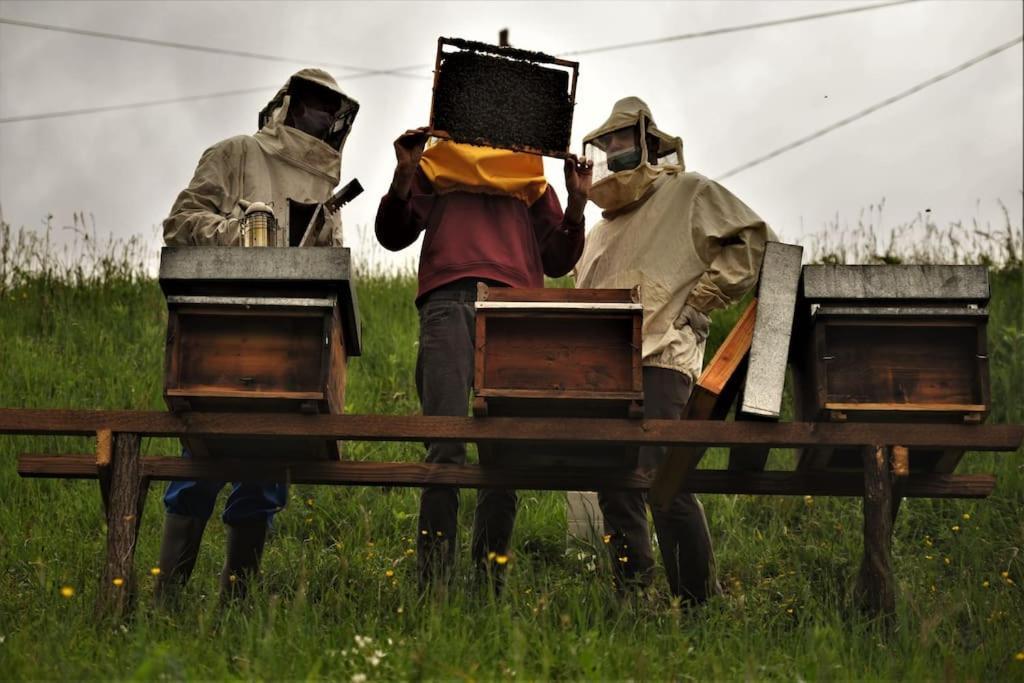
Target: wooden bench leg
{"x":127,"y":496}
{"x":876,"y":583}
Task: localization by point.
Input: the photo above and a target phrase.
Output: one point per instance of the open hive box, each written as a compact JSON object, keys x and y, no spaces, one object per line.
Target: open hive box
{"x":258,"y":331}
{"x":891,"y":344}
{"x":558,"y":353}
{"x":503,"y":97}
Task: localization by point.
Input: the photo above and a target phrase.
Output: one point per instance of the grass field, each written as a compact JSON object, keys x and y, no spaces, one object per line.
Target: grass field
{"x":338,"y":597}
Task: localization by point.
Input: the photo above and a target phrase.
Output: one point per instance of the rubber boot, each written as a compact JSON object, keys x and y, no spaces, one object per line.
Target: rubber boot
{"x":245,"y":548}
{"x":178,"y":552}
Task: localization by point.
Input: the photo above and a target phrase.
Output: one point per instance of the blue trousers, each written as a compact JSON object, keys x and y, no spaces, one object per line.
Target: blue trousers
{"x":248,"y":501}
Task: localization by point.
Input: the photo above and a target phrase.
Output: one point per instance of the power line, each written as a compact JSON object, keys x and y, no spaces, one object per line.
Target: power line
{"x":368,"y":72}
{"x":875,"y":107}
{"x":735,"y":29}
{"x":134,"y":105}
{"x":360,"y":71}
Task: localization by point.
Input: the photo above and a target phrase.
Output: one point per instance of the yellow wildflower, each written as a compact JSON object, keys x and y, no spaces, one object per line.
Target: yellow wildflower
{"x":928,"y":541}
{"x":67,"y":592}
{"x":410,"y":552}
{"x":1019,"y":656}
{"x":232,"y":578}
{"x":501,"y":559}
{"x":946,"y":560}
{"x":607,"y":538}
{"x":491,"y":555}
{"x":984,"y":584}
{"x":155,"y":571}
{"x":955,"y":528}
{"x":966,"y":516}
{"x":624,"y":559}
{"x":808,"y":500}
{"x":929,"y":557}
{"x":1005,"y":575}
{"x":118,"y":581}
{"x":389,"y":573}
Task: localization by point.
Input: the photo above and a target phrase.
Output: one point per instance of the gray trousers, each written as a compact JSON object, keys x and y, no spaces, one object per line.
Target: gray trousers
{"x":682,"y":527}
{"x":444,"y":378}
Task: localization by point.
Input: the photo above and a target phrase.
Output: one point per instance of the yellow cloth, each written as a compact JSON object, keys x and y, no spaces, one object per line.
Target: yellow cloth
{"x":452,"y":166}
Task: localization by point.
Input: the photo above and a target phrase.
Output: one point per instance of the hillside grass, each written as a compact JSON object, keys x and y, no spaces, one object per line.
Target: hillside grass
{"x":338,"y":597}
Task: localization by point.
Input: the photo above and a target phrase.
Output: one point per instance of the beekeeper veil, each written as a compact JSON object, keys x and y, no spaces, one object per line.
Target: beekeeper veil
{"x":313,"y":103}
{"x":629,"y":152}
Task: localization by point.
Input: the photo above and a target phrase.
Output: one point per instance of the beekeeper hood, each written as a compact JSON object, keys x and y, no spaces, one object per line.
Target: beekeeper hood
{"x":308,"y":121}
{"x":629,"y":152}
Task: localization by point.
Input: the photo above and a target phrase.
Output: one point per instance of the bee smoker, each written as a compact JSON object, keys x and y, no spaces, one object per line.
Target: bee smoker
{"x":258,"y":226}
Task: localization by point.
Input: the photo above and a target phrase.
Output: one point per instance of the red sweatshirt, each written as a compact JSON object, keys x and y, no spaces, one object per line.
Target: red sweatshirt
{"x":473,"y":235}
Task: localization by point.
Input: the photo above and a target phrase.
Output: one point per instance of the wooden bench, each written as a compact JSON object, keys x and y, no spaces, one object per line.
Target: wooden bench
{"x":124,"y":475}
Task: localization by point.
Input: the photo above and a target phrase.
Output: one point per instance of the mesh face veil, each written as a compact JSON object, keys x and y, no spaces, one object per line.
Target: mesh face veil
{"x":628,"y":158}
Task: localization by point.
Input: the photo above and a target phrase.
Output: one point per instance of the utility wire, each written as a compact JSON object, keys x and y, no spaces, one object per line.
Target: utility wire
{"x":360,"y":71}
{"x":135,"y":105}
{"x":873,"y":108}
{"x":735,"y":29}
{"x":396,"y":71}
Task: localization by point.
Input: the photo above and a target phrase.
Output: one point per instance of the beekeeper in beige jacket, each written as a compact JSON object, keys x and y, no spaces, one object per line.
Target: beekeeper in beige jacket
{"x":291,"y":164}
{"x":692,"y":247}
{"x":292,"y":161}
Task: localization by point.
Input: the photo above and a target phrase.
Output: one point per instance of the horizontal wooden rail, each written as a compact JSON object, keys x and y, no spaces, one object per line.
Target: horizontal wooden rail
{"x":473,"y":476}
{"x":519,"y":429}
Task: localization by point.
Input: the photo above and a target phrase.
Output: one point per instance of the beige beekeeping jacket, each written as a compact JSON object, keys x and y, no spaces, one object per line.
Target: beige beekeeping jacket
{"x":278,"y":165}
{"x":690,"y":241}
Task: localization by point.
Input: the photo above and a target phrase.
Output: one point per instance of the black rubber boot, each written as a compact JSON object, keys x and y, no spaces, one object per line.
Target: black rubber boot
{"x":178,"y":552}
{"x":245,"y":548}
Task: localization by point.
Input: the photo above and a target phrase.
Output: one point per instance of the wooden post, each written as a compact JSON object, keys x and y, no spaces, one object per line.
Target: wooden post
{"x":876,"y":583}
{"x":127,"y":497}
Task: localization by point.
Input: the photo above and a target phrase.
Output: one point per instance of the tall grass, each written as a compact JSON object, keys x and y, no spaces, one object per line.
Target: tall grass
{"x":338,"y":600}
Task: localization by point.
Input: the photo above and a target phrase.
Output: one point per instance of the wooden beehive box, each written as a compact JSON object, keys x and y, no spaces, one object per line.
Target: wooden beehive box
{"x":258,"y":330}
{"x":892,"y":344}
{"x":558,"y":352}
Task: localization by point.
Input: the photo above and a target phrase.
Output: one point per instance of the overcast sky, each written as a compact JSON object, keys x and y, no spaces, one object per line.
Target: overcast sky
{"x":955,"y":148}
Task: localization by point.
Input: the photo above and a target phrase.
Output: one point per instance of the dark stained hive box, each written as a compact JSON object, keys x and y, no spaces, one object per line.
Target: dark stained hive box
{"x":892,"y":344}
{"x":558,"y":352}
{"x":503,"y":97}
{"x":258,"y":331}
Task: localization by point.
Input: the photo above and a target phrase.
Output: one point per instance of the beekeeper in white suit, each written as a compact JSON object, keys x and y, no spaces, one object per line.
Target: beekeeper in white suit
{"x":291,"y":164}
{"x":692,"y":247}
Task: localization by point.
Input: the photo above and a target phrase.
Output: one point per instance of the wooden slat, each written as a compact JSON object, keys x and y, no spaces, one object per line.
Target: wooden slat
{"x":580,"y":394}
{"x":492,"y":429}
{"x":472,"y":476}
{"x":557,"y":294}
{"x":255,"y":394}
{"x":909,"y":407}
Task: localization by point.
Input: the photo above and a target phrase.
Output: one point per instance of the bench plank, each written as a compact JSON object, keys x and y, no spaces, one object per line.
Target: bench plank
{"x":521,"y":429}
{"x":416,"y":474}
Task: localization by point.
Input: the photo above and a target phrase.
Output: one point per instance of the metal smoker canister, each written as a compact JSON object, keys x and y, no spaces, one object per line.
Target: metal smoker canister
{"x":259,"y":227}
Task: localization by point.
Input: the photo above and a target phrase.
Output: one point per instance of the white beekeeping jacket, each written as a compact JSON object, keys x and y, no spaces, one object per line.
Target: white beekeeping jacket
{"x":278,"y":165}
{"x":691,"y":241}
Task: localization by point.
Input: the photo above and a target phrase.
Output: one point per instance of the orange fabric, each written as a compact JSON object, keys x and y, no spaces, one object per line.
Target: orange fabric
{"x":452,"y":166}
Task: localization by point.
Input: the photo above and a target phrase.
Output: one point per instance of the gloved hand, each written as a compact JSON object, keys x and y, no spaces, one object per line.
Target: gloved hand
{"x":698,"y":322}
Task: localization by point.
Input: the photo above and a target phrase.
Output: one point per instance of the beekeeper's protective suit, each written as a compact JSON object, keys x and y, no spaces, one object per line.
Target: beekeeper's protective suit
{"x":692,"y":247}
{"x":294,"y":159}
{"x":281,"y":165}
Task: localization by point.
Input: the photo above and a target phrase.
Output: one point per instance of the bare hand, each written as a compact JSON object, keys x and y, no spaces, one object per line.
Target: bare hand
{"x":409,"y":147}
{"x":578,"y":176}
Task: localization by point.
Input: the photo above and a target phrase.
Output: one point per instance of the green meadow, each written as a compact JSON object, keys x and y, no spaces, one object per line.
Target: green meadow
{"x":338,"y":597}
